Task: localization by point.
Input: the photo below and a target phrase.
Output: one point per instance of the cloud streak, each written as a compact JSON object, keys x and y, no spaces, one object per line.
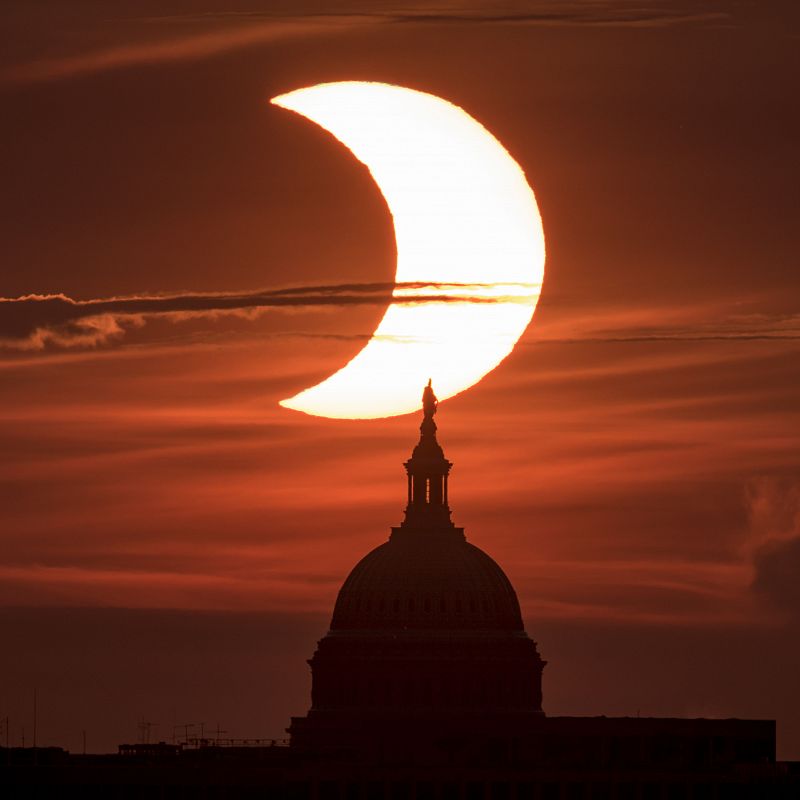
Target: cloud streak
{"x":37,"y":322}
{"x":194,"y":46}
{"x":32,"y":322}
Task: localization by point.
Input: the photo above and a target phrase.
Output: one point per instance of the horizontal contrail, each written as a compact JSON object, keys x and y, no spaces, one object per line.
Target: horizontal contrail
{"x":776,"y":335}
{"x":32,"y":321}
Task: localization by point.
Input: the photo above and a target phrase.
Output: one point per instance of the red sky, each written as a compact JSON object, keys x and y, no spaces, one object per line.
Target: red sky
{"x":171,"y":541}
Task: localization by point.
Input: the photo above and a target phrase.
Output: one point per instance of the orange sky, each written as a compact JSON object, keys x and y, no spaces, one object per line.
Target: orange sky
{"x":632,"y":465}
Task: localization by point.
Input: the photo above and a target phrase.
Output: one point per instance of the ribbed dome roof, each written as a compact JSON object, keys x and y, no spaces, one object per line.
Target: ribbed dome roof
{"x":427,"y":579}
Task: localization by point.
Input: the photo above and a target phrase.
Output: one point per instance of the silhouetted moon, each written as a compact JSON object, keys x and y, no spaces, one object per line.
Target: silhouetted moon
{"x":463,"y":214}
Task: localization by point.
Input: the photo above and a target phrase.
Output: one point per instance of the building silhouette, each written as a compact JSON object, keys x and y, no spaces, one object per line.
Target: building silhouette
{"x":427,"y":687}
{"x":426,"y":640}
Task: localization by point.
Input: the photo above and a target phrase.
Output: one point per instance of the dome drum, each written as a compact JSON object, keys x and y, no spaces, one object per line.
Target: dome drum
{"x":414,"y":674}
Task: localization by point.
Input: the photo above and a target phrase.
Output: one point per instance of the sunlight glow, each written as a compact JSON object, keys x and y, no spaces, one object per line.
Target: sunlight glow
{"x":463,"y":214}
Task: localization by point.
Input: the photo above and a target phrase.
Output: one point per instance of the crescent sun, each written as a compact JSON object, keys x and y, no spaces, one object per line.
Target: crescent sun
{"x":464,"y":218}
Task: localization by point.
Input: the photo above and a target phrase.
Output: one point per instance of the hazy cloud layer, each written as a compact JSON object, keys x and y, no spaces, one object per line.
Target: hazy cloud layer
{"x":775,"y":525}
{"x":777,"y":578}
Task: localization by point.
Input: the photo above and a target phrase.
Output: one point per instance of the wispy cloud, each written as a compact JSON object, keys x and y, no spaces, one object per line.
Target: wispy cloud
{"x":603,"y":13}
{"x":233,"y":30}
{"x":34,"y":321}
{"x":190,"y":46}
{"x":774,"y":515}
{"x":763,"y":331}
{"x":617,"y":15}
{"x":734,"y":319}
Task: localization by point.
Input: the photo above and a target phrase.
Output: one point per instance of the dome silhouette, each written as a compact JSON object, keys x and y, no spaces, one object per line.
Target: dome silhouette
{"x":426,"y":634}
{"x":427,"y":580}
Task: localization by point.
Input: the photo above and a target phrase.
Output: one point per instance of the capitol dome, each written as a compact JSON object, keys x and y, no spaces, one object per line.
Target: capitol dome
{"x":426,"y":635}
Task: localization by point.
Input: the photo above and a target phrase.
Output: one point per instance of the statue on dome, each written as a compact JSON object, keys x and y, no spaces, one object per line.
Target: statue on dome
{"x":429,"y":401}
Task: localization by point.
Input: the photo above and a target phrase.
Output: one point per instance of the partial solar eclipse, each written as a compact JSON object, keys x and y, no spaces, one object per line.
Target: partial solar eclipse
{"x":464,"y":217}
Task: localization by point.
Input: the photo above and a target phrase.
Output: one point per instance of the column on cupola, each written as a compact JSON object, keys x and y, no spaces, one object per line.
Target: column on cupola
{"x":427,"y":469}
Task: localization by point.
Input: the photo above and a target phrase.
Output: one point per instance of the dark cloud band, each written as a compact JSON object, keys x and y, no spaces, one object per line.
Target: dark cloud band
{"x":33,"y":321}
